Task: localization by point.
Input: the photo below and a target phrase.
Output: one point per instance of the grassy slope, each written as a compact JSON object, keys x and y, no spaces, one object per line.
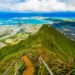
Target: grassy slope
{"x":48,"y":43}
{"x":52,"y":40}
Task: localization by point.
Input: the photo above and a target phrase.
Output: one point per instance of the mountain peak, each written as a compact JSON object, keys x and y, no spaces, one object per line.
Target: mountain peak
{"x":45,"y":27}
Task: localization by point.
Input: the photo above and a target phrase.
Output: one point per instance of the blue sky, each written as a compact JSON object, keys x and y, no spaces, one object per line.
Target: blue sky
{"x":37,"y":5}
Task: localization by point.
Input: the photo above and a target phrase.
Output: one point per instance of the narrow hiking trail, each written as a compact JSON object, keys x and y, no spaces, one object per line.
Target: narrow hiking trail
{"x":30,"y":69}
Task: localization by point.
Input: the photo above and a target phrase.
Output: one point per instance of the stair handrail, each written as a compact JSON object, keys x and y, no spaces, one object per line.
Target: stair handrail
{"x":49,"y":70}
{"x":8,"y":68}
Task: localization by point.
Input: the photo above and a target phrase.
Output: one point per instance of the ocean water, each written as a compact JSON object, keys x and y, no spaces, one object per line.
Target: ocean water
{"x":23,"y":21}
{"x":7,"y":18}
{"x":46,"y":14}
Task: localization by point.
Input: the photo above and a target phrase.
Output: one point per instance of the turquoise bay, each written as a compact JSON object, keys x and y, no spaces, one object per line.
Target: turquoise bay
{"x":23,"y":21}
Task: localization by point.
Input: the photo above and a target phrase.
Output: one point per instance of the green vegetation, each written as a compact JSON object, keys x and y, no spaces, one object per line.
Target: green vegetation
{"x":42,"y":70}
{"x":22,"y":68}
{"x":56,"y":49}
{"x":6,"y":62}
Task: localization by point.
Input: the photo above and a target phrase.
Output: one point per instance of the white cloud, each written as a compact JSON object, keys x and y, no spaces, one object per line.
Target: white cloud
{"x":37,"y":5}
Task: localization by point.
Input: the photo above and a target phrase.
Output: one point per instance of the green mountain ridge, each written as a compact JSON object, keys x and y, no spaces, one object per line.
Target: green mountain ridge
{"x":56,"y":49}
{"x":51,"y":39}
